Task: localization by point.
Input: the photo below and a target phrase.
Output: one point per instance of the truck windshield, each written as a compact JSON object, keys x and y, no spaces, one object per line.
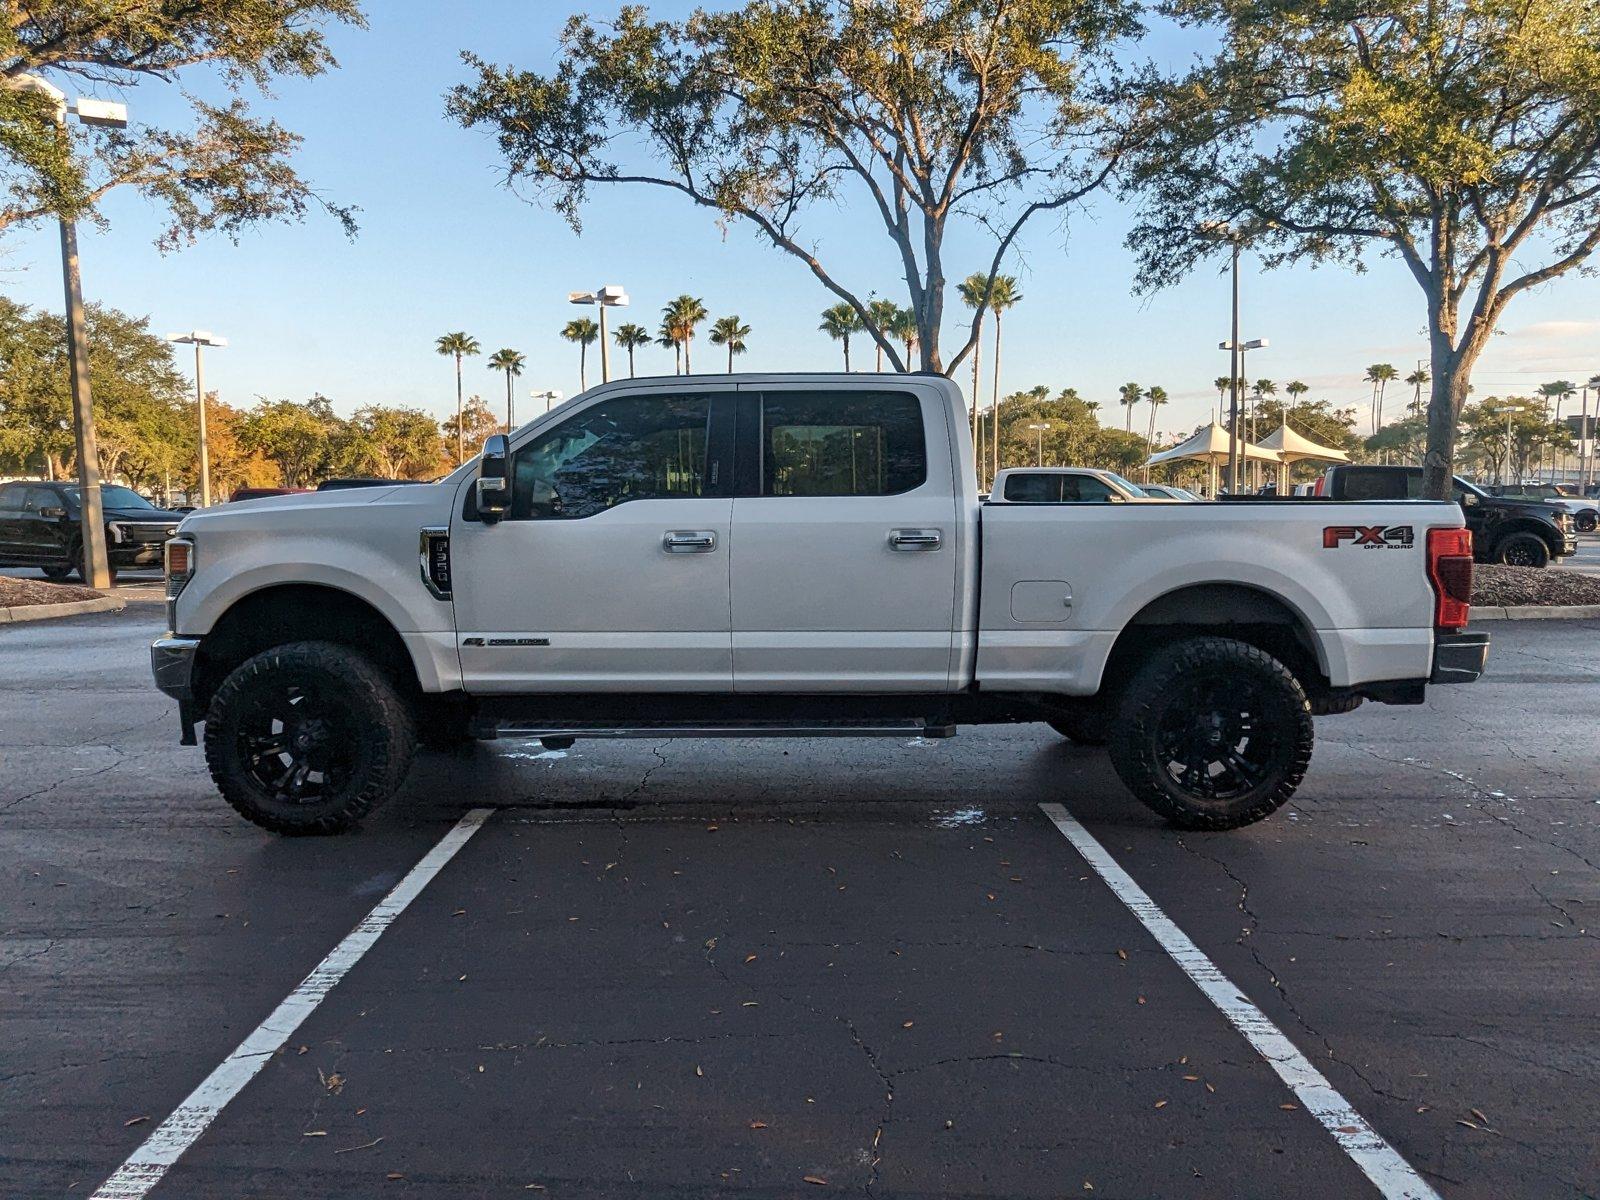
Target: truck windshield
{"x":113,"y":496}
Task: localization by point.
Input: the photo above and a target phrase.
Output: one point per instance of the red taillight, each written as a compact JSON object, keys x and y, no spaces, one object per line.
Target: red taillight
{"x":1321,"y":483}
{"x":1450,"y":572}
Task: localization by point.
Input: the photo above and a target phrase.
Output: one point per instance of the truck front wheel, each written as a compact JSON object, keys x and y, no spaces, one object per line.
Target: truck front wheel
{"x":308,"y":738}
{"x":1212,"y":733}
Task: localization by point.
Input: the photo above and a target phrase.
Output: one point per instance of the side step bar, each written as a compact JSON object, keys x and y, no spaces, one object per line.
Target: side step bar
{"x":565,"y":731}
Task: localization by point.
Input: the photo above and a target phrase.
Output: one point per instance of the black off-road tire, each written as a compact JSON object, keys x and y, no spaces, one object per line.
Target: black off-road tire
{"x":1522,"y":550}
{"x":1083,"y":728}
{"x":1210,"y":703}
{"x":340,"y":718}
{"x":1585,"y":522}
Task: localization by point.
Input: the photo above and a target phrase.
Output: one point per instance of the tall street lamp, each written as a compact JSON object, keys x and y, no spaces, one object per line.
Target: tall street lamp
{"x":1236,"y":352}
{"x":610,"y":296}
{"x":1040,"y":427}
{"x":549,"y":397}
{"x":198,"y":339}
{"x":94,"y":568}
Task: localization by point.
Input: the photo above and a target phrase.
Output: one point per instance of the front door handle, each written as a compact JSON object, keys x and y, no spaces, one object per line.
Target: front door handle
{"x":689,"y":541}
{"x":915,"y":539}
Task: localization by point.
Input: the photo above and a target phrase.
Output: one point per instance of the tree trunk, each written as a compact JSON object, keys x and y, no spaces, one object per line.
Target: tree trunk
{"x":688,"y":365}
{"x":1448,"y":394}
{"x":730,"y":358}
{"x":846,"y":354}
{"x":630,"y":362}
{"x":583,"y":366}
{"x":977,"y":427}
{"x":509,"y":402}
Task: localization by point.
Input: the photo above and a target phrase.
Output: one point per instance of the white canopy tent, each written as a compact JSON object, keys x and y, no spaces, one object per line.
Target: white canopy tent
{"x":1295,"y":447}
{"x":1210,"y":446}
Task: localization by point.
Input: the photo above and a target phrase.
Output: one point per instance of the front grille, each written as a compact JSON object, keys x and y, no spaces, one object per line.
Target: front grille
{"x":141,"y":534}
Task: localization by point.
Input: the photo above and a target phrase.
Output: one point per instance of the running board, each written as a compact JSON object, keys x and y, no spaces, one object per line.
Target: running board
{"x":853,"y":728}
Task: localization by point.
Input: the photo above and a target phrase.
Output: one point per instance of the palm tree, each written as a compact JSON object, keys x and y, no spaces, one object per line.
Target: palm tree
{"x":883,"y":313}
{"x":839,"y":322}
{"x":630,"y":338}
{"x":1221,"y":383}
{"x":511,"y":362}
{"x":973,"y":289}
{"x":1416,"y":379}
{"x":1155,"y":397}
{"x":727,"y":331}
{"x":1259,"y":391}
{"x":668,"y":336}
{"x":1379,"y":375}
{"x":1558,"y":391}
{"x":585,"y":332}
{"x":1131,"y":394}
{"x":1295,"y":390}
{"x":1003,"y":294}
{"x":681,"y":316}
{"x":903,"y":326}
{"x":458,"y":346}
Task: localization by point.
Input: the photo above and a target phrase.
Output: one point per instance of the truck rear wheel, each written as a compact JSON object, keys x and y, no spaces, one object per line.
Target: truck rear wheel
{"x":308,"y":738}
{"x":1212,"y":733}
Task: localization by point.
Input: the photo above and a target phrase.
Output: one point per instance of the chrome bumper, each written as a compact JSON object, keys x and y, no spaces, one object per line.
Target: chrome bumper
{"x":1459,"y":657}
{"x":172,"y":663}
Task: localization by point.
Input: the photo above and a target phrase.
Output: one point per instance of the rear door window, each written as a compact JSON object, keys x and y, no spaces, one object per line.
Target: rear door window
{"x":1360,"y":484}
{"x":1034,"y":489}
{"x":842,"y":443}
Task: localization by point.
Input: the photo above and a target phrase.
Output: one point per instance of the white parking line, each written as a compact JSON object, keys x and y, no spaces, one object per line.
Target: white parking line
{"x":1394,"y":1178}
{"x":146,"y":1165}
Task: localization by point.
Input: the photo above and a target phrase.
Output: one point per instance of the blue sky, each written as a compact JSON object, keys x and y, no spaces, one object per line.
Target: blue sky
{"x":444,"y":246}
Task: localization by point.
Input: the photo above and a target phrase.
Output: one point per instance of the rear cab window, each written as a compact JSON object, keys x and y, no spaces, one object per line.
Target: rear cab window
{"x":843,"y":443}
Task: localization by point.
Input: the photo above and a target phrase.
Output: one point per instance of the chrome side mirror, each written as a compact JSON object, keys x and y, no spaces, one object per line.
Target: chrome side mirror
{"x":53,"y":512}
{"x":493,"y":484}
{"x":1468,"y":500}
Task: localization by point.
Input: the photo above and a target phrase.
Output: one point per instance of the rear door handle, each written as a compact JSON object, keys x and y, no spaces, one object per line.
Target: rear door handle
{"x":689,"y":541}
{"x":915,"y":539}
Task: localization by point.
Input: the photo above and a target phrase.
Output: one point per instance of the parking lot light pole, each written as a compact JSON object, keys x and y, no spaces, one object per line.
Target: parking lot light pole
{"x":610,"y":296}
{"x":549,"y":398}
{"x":95,"y":569}
{"x":1040,"y":427}
{"x":200,"y":338}
{"x":1236,"y":354}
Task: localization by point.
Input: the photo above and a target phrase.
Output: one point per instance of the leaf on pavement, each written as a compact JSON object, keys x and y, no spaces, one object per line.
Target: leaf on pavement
{"x":758,"y":1124}
{"x":129,"y":1124}
{"x":1123,"y":955}
{"x":816,"y":1179}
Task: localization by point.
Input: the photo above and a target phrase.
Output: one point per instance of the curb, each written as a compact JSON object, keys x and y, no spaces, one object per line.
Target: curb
{"x":1536,"y":612}
{"x":72,"y":608}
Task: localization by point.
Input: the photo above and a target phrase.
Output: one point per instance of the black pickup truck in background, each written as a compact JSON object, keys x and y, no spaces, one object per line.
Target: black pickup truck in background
{"x":1505,"y":529}
{"x":39,"y":527}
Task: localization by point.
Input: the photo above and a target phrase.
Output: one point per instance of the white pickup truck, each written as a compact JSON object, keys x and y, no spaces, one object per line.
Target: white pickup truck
{"x":790,"y":555}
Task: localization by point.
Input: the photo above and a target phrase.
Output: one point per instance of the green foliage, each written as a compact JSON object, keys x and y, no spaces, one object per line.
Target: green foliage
{"x":141,"y":404}
{"x":731,"y":333}
{"x":1483,"y":439}
{"x":1462,"y":137}
{"x":225,"y":171}
{"x":839,"y":322}
{"x":982,"y":111}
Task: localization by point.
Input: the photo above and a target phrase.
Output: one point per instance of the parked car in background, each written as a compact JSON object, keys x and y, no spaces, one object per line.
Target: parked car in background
{"x":40,"y":527}
{"x":1065,"y":485}
{"x":263,"y":493}
{"x":360,"y":481}
{"x":1585,"y":513}
{"x":1505,"y":529}
{"x":1165,"y":491}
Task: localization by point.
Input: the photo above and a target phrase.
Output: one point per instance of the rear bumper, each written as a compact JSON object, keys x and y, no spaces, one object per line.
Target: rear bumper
{"x":1459,"y":657}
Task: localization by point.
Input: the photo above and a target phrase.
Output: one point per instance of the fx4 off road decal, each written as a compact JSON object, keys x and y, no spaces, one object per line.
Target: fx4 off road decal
{"x":1370,"y":537}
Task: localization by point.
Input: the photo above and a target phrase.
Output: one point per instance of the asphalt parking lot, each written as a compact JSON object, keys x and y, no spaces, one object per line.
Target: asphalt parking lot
{"x":698,"y":968}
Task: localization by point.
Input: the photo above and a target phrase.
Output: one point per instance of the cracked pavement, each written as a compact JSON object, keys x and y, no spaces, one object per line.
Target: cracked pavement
{"x":686,"y":968}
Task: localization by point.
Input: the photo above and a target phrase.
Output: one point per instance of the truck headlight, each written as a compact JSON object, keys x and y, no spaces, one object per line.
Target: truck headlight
{"x":177,"y":557}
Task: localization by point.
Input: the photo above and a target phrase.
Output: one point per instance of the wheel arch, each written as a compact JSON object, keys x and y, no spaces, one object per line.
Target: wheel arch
{"x":1224,"y":608}
{"x":301,"y":612}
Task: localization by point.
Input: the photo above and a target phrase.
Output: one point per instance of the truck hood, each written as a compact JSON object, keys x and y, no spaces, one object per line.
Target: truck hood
{"x":426,"y":501}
